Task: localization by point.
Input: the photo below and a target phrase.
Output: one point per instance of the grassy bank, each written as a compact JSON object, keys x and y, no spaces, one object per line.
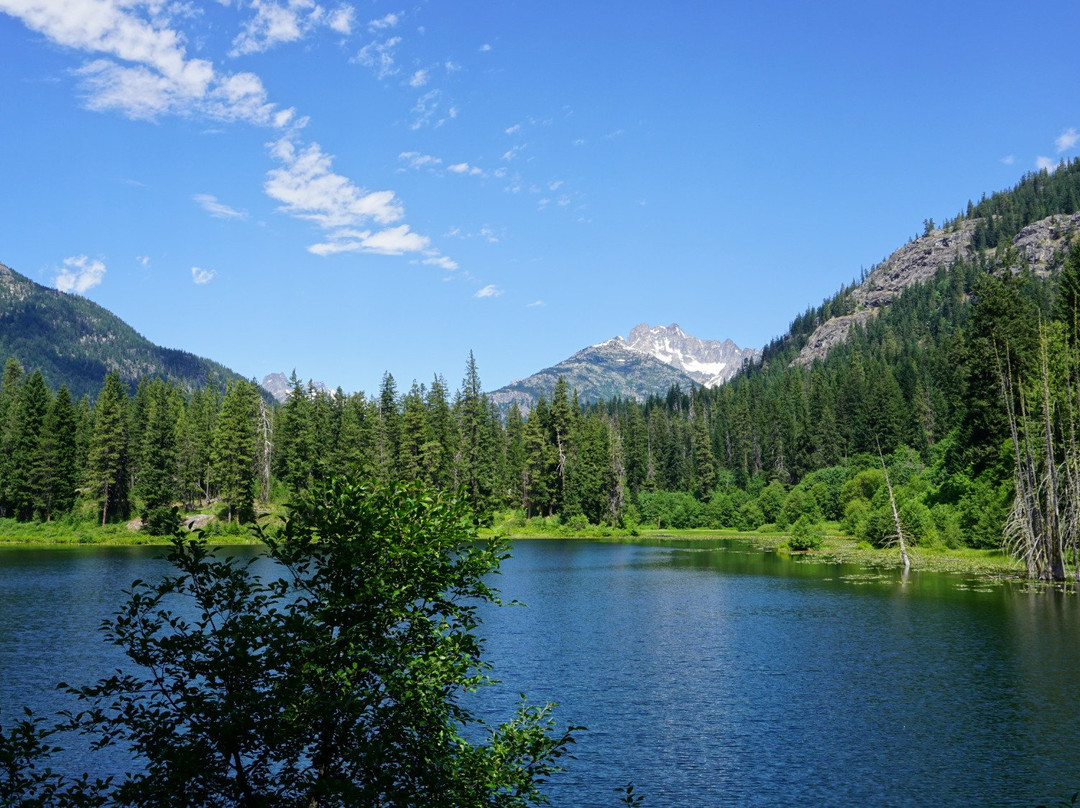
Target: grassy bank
{"x":837,"y":547}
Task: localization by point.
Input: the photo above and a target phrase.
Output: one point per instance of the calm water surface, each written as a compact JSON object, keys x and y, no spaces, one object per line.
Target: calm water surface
{"x":706,"y":673}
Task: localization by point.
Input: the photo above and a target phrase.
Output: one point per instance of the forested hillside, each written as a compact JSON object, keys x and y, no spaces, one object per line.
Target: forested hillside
{"x":965,"y":389}
{"x":75,"y":342}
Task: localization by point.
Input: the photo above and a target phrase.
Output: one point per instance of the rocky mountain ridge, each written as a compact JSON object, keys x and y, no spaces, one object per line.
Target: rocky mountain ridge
{"x":1039,"y":245}
{"x":706,"y":361}
{"x":75,"y":342}
{"x":649,"y":362}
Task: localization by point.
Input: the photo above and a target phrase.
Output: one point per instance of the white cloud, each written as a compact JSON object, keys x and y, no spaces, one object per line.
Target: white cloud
{"x":555,"y":185}
{"x":418,"y":160}
{"x":513,"y":130}
{"x":491,"y":290}
{"x":202,"y":276}
{"x":142,"y":260}
{"x":341,"y":20}
{"x":156,"y":77}
{"x":535,"y":304}
{"x":1066,"y":140}
{"x":80,"y":274}
{"x":419,"y":78}
{"x":1008,"y":160}
{"x":465,"y":168}
{"x":275,"y":24}
{"x":218,"y":210}
{"x":442,"y":262}
{"x":389,"y":21}
{"x":425,"y":108}
{"x":391,"y":241}
{"x":308,"y":189}
{"x":379,"y":56}
{"x":1046,"y":163}
{"x":485,"y":48}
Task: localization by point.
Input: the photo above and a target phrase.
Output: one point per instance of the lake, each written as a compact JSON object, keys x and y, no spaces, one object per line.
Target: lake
{"x":707,"y":672}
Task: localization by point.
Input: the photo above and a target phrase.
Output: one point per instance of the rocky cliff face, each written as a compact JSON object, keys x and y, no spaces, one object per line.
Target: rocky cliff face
{"x":1039,"y":245}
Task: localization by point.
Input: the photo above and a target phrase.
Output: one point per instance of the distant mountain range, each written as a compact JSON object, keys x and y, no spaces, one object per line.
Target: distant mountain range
{"x":650,"y":361}
{"x":76,"y":342}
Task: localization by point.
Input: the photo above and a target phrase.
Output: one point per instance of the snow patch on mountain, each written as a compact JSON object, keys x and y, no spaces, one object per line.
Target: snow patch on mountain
{"x":708,"y":362}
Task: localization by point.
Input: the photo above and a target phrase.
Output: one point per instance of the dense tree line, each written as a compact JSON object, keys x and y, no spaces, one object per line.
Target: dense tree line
{"x":938,"y":385}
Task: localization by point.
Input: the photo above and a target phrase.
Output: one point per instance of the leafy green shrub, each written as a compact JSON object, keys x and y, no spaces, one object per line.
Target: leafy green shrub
{"x":577,"y":523}
{"x":750,"y":516}
{"x":855,"y":513}
{"x":806,"y":534}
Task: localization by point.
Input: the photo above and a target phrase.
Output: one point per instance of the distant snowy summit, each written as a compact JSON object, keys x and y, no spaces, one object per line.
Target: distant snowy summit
{"x":277,"y":385}
{"x":706,"y":361}
{"x":649,"y":362}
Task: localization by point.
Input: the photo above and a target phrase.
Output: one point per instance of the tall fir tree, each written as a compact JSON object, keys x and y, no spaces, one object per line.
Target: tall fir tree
{"x":108,"y":453}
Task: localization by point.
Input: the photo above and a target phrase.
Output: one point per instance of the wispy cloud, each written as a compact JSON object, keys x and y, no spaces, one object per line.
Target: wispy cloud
{"x":379,"y":56}
{"x":79,"y":274}
{"x":417,"y":160}
{"x":419,"y":78}
{"x":143,"y":70}
{"x":491,"y":290}
{"x":513,"y":130}
{"x":381,"y":24}
{"x":485,"y":48}
{"x":1046,"y":163}
{"x":341,"y":19}
{"x":142,"y":260}
{"x":465,"y":168}
{"x":535,"y":304}
{"x":1008,"y":160}
{"x":442,"y":262}
{"x":201,"y":276}
{"x":278,"y":23}
{"x":426,"y":111}
{"x":1066,"y":140}
{"x":219,"y":210}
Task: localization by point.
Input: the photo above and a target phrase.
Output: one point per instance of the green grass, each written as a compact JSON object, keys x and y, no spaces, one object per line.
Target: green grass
{"x":837,"y":547}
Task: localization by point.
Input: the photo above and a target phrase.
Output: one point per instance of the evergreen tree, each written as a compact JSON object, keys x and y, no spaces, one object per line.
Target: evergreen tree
{"x":108,"y":453}
{"x":158,"y":482}
{"x":9,"y":411}
{"x":29,"y":471}
{"x":1067,"y":302}
{"x":60,"y":453}
{"x":236,"y":449}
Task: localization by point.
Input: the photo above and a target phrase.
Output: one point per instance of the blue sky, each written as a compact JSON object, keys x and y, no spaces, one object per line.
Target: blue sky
{"x":346,"y":188}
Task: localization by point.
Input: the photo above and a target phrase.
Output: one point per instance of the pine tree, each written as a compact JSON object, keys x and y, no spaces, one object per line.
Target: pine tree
{"x":9,"y":411}
{"x":29,"y":471}
{"x":158,"y":482}
{"x":236,"y":449}
{"x":108,"y":453}
{"x":60,"y":453}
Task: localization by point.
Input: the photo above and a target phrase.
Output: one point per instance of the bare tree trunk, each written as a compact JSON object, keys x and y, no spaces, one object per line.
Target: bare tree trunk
{"x":896,"y":514}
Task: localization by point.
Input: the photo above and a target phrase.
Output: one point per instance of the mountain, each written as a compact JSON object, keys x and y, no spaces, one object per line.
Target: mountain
{"x":706,"y":361}
{"x":277,"y":385}
{"x":76,"y":342}
{"x":649,"y":363}
{"x":1038,"y":246}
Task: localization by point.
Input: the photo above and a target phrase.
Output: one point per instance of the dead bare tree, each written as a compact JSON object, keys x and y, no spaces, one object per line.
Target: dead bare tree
{"x":896,"y":514}
{"x":1044,"y":523}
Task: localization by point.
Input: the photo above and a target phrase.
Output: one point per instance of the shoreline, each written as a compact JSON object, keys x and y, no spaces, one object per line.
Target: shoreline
{"x":836,"y":549}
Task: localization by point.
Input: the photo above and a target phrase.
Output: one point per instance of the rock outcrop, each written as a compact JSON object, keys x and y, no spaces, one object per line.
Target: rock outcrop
{"x":1039,"y":245}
